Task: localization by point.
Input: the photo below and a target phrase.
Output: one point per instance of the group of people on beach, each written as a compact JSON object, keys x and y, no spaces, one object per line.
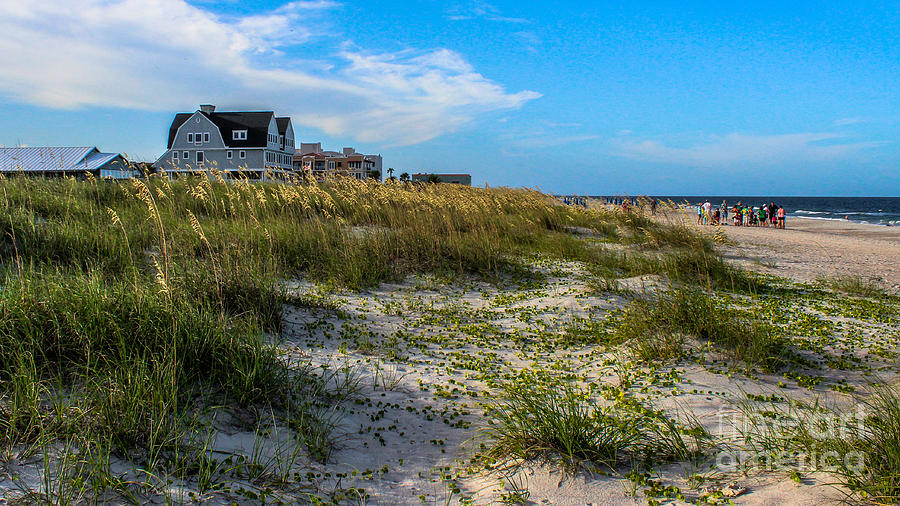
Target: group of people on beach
{"x":767,"y":215}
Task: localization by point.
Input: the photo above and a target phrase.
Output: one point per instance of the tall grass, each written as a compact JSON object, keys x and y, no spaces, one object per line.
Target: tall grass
{"x":656,"y":329}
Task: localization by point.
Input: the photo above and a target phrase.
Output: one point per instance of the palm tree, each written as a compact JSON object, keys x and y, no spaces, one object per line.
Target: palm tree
{"x":390,"y":172}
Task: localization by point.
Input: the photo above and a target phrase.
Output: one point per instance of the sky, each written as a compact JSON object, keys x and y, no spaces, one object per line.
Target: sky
{"x":596,"y":98}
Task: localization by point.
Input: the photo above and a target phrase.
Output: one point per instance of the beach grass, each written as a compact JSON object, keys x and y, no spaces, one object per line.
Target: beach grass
{"x":128,"y":309}
{"x":568,"y":427}
{"x":136,"y":316}
{"x":658,"y":327}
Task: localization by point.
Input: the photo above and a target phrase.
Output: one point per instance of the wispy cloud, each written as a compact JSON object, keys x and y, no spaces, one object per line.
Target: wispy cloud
{"x":542,"y":139}
{"x":742,"y":149}
{"x":849,"y":121}
{"x":168,"y":54}
{"x":529,"y":40}
{"x":481,"y":10}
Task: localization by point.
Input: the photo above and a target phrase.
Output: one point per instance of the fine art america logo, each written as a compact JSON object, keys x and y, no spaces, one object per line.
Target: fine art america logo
{"x":788,"y":443}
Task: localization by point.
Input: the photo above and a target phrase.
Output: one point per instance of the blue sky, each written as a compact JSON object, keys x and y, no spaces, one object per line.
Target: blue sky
{"x":777,"y":98}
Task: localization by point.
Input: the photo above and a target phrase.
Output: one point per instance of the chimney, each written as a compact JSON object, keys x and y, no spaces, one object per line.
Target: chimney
{"x":349,"y":151}
{"x":207,"y":108}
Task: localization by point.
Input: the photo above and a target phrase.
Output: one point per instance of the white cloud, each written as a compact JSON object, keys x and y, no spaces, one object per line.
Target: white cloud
{"x":849,"y":121}
{"x":481,"y":10}
{"x":743,"y":150}
{"x":167,"y":55}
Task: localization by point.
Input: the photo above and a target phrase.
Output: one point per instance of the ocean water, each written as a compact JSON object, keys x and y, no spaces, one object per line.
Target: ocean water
{"x":871,"y":210}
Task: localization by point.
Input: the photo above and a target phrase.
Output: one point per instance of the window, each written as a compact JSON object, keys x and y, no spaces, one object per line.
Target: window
{"x":205,"y":136}
{"x":331,"y":165}
{"x":199,"y":156}
{"x":239,"y":135}
{"x":184,"y":155}
{"x":190,"y":138}
{"x":242,"y":154}
{"x":229,"y":154}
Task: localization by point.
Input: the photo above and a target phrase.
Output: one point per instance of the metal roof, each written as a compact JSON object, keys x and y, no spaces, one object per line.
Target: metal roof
{"x":53,"y":159}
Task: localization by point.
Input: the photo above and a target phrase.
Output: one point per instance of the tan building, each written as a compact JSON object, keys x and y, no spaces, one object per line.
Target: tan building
{"x":313,"y":160}
{"x":463,"y":179}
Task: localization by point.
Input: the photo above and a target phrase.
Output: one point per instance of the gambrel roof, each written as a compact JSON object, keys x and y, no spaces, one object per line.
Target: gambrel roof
{"x":256,"y":123}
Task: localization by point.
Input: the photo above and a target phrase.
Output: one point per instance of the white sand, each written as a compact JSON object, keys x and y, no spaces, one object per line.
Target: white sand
{"x":809,"y":249}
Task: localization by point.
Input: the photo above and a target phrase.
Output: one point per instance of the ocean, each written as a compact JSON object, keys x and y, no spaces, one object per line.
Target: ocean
{"x":871,"y":210}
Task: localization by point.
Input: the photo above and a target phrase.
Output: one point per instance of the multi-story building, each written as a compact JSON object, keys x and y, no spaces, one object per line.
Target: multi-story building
{"x":246,"y":144}
{"x":312,"y":159}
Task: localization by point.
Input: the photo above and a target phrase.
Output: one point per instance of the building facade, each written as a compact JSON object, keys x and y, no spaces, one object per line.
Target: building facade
{"x":64,"y":162}
{"x":313,"y":160}
{"x":253,"y":144}
{"x":463,"y":179}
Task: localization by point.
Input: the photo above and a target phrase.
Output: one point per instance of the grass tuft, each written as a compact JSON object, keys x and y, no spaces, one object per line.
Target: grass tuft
{"x":565,"y":426}
{"x":656,"y":328}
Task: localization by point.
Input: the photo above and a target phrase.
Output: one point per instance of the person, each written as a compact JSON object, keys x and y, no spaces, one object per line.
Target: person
{"x":724,"y":213}
{"x":652,"y":206}
{"x":781,"y":217}
{"x":699,"y":214}
{"x":707,"y":211}
{"x":716,"y":216}
{"x":773,"y":210}
{"x":761,"y":215}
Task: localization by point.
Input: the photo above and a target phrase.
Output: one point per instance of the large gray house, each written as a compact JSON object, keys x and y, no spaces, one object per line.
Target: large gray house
{"x":236,"y":143}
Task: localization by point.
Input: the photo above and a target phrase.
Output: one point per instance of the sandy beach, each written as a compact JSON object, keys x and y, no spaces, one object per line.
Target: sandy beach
{"x":810,"y":249}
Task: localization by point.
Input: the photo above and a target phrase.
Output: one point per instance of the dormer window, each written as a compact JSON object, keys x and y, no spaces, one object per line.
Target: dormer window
{"x":239,"y":135}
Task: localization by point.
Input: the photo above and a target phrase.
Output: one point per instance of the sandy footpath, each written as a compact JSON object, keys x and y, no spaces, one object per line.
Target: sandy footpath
{"x":809,"y":249}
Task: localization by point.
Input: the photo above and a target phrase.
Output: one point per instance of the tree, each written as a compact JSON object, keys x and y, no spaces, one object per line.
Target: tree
{"x":434,"y":178}
{"x":404,"y":177}
{"x":375,"y":174}
{"x":390,"y":172}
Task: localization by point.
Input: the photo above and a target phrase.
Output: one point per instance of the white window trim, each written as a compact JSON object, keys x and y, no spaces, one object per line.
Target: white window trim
{"x":174,"y":155}
{"x":205,"y":136}
{"x":229,"y":154}
{"x":238,"y":135}
{"x":199,"y":155}
{"x":190,"y":137}
{"x":185,"y":155}
{"x":242,"y":154}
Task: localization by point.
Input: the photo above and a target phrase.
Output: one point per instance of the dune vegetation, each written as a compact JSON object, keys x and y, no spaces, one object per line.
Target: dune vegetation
{"x":136,"y":316}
